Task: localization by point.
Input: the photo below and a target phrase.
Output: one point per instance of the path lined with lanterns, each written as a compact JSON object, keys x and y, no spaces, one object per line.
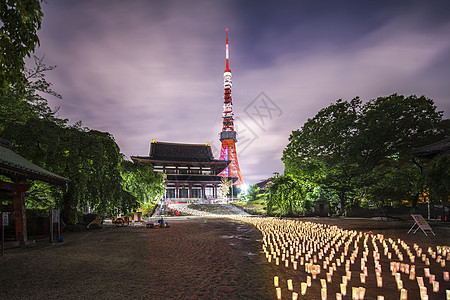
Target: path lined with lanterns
{"x":318,"y":261}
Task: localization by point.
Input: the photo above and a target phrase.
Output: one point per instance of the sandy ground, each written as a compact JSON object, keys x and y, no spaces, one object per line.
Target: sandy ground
{"x":196,"y":258}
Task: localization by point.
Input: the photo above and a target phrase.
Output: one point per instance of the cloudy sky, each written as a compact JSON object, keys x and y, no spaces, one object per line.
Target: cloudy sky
{"x":145,"y":70}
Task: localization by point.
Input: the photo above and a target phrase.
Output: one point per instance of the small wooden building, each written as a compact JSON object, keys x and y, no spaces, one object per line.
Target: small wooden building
{"x":322,"y":207}
{"x":191,"y":170}
{"x":19,"y":170}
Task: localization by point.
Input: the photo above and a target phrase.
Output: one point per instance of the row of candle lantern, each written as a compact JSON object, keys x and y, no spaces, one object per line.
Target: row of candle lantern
{"x":316,"y":245}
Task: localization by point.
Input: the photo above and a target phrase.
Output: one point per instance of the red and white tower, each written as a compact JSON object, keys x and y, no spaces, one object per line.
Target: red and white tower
{"x":228,"y":135}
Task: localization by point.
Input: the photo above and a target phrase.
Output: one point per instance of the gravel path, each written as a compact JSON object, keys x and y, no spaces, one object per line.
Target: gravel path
{"x":196,"y":258}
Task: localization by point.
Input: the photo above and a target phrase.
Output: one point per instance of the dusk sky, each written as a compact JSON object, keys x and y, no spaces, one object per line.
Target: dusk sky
{"x":144,"y":70}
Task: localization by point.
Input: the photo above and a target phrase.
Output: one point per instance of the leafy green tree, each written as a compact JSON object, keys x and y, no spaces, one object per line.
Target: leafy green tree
{"x":20,"y":21}
{"x":285,"y":193}
{"x":252,"y":193}
{"x":90,"y":159}
{"x":350,"y":148}
{"x":18,"y":107}
{"x":142,"y":182}
{"x":324,"y":152}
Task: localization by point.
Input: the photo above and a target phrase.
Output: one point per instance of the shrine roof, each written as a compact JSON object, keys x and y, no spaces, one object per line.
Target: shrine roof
{"x":433,"y":149}
{"x":177,"y":152}
{"x":14,"y":165}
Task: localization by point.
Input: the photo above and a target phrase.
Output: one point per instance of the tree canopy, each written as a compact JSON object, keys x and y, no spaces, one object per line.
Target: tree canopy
{"x":100,"y":179}
{"x":21,"y":19}
{"x":359,"y":150}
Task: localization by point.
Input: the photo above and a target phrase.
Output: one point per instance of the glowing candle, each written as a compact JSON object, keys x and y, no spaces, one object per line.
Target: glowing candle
{"x":432,"y":277}
{"x":338,"y":296}
{"x":289,"y":283}
{"x":435,"y":286}
{"x":362,"y":293}
{"x":379,"y":281}
{"x":423,"y":291}
{"x":329,"y":277}
{"x":355,"y":293}
{"x":308,"y":280}
{"x":399,"y":284}
{"x":427,"y":272}
{"x":303,"y":287}
{"x":343,"y":289}
{"x":420,"y":281}
{"x":286,"y":263}
{"x":403,"y":294}
{"x":380,"y":297}
{"x":278,"y":293}
{"x":323,"y":293}
{"x":295,"y":265}
{"x":275,"y":281}
{"x":362,"y":277}
{"x":294,"y":296}
{"x":323,"y":283}
{"x":446,"y":276}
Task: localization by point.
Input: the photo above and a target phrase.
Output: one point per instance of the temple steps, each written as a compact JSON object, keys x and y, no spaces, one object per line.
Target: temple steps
{"x":207,"y":209}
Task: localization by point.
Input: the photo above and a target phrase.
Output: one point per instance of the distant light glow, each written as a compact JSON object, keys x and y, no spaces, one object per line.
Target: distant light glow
{"x":244,"y":188}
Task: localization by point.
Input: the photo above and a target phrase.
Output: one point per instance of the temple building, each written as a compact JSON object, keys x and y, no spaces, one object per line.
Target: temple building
{"x":18,"y":171}
{"x":191,"y":170}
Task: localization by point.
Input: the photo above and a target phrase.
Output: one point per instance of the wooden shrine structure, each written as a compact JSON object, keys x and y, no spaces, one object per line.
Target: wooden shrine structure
{"x":191,"y":170}
{"x":19,"y":170}
{"x":432,"y":150}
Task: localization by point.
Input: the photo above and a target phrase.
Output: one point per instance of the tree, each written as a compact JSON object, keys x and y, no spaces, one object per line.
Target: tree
{"x":20,"y":20}
{"x":19,"y":107}
{"x":142,"y":182}
{"x":285,"y":193}
{"x":252,"y":193}
{"x":353,"y":149}
{"x":324,"y":152}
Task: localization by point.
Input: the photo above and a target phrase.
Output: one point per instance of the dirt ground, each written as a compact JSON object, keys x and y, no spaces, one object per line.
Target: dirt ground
{"x":196,"y":258}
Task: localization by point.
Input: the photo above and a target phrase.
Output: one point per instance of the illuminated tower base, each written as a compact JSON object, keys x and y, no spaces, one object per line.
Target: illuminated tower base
{"x":228,"y":152}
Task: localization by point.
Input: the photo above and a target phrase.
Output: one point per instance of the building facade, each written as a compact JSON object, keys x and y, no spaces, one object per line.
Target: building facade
{"x":191,"y":170}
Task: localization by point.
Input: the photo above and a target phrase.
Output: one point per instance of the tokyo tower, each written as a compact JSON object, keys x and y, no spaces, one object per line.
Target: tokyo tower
{"x":228,"y":135}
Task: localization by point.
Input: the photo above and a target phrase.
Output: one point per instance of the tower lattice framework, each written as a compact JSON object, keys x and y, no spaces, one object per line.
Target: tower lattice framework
{"x":228,"y":134}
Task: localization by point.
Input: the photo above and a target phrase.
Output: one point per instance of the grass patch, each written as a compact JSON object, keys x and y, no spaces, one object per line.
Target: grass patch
{"x":253,"y":207}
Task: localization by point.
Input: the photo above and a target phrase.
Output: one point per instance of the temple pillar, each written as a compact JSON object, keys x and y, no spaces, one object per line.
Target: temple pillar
{"x":20,"y":216}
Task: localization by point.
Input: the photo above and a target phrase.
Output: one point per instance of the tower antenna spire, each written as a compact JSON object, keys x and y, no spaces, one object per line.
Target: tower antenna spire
{"x":227,"y":53}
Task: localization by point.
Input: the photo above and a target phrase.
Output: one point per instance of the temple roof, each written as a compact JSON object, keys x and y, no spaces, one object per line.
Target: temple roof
{"x":433,"y":149}
{"x":161,"y":151}
{"x":15,"y":166}
{"x":178,"y":153}
{"x":196,"y":152}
